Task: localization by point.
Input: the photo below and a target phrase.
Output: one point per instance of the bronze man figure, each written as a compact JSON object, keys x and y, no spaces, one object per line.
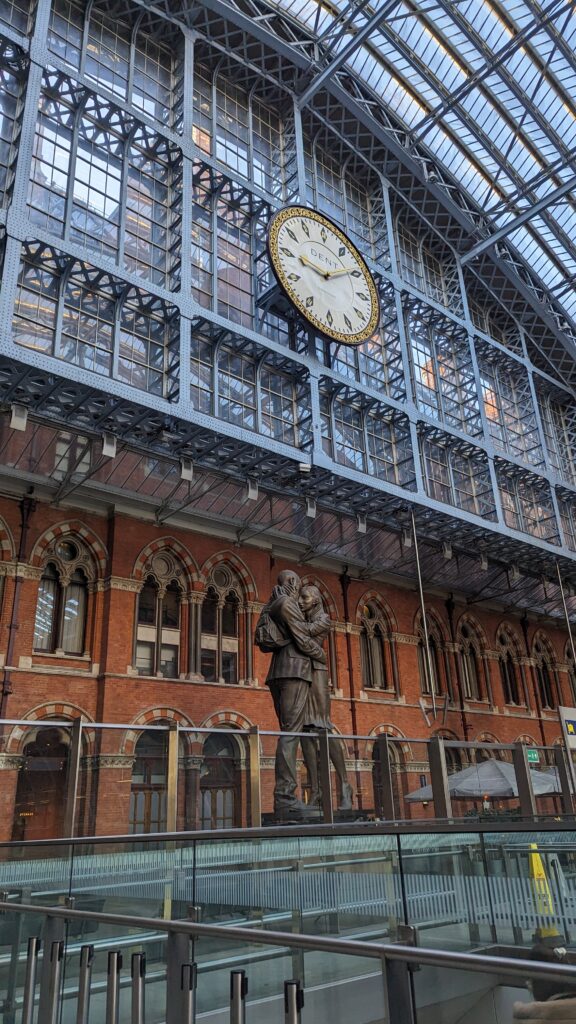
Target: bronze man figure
{"x":283,"y":630}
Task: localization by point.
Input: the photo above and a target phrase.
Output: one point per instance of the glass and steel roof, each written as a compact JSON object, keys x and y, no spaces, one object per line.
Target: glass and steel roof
{"x":489,"y":90}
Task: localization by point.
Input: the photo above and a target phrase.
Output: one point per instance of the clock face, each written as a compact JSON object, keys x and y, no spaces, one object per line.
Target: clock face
{"x":323,"y":275}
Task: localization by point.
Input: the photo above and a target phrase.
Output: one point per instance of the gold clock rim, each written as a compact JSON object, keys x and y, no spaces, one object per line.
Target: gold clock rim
{"x":276,"y":222}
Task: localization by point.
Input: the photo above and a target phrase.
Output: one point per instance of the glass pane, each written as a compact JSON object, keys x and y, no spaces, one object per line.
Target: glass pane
{"x":74,"y":618}
{"x":145,"y":658}
{"x":147,"y":604}
{"x":46,"y":611}
{"x":169,"y":661}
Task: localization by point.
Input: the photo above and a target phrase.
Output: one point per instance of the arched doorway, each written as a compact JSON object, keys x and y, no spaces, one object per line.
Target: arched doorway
{"x":40,"y":804}
{"x":149,"y":783}
{"x":220,"y":783}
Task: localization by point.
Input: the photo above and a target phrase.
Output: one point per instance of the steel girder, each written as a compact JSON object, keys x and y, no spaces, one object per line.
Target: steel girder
{"x":441,"y":201}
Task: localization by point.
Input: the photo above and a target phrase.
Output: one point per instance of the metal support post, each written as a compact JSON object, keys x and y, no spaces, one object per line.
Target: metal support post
{"x":439,"y":778}
{"x":52,"y":935}
{"x":84,"y":980}
{"x":72,"y":776}
{"x":30,"y":980}
{"x":138,"y":974}
{"x":49,"y":1010}
{"x":398,"y":992}
{"x":524,"y":781}
{"x":564,"y":779}
{"x":113,"y":987}
{"x":384,"y":763}
{"x":172,"y":779}
{"x":255,"y":782}
{"x":177,"y":954}
{"x":427,"y":659}
{"x":189,"y":986}
{"x":293,"y":1002}
{"x":238,"y":992}
{"x":325,"y":780}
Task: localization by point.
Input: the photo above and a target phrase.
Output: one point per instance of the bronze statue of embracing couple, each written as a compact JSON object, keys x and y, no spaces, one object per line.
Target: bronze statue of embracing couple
{"x":292,"y":627}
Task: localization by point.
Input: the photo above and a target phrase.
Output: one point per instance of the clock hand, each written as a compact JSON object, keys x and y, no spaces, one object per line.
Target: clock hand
{"x":309,"y":263}
{"x":336,"y":273}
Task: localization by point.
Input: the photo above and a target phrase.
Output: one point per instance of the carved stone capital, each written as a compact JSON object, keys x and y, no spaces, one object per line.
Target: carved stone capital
{"x":254,"y":606}
{"x":10,"y":762}
{"x":195,"y":597}
{"x":121,"y":583}
{"x":21,"y":570}
{"x":405,"y":638}
{"x":125,"y":761}
{"x":192,"y":763}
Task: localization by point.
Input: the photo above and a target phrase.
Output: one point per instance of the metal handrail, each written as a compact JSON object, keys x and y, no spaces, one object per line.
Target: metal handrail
{"x":423,"y":826}
{"x":418,"y":956}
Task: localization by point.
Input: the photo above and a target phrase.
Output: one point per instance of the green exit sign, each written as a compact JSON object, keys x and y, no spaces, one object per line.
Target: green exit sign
{"x":533,"y":756}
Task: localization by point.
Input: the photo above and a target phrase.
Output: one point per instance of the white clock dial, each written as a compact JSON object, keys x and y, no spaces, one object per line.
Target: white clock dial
{"x":323,"y":274}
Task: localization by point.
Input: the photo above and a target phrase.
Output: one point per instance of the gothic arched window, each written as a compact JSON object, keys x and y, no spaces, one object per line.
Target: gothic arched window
{"x":220,"y":629}
{"x":571,"y":670}
{"x":544,"y":674}
{"x":508,"y":670}
{"x":429,"y":665}
{"x":158,"y":618}
{"x":469,"y":664}
{"x":376,"y":671}
{"x":219,"y":784}
{"x":61,"y":609}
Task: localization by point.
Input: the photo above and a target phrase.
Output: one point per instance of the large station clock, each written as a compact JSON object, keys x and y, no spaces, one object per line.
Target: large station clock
{"x":323,"y":275}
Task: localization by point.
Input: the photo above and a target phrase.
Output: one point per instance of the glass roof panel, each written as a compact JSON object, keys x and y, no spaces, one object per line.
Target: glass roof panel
{"x":488,"y":87}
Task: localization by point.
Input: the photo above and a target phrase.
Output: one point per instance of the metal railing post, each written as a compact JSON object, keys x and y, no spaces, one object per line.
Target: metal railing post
{"x":255,"y":781}
{"x":172,"y":779}
{"x":52,"y":936}
{"x":439,"y":778}
{"x":397,"y":992}
{"x":177,"y":954}
{"x":72,"y":777}
{"x":564,"y":779}
{"x":30,"y":980}
{"x":324,"y":772}
{"x":293,"y":1002}
{"x":84,"y":980}
{"x":138,"y":975}
{"x":524,"y":781}
{"x":51,"y":1009}
{"x":113,"y":987}
{"x":189,"y":986}
{"x":386,"y":788}
{"x":238,"y":992}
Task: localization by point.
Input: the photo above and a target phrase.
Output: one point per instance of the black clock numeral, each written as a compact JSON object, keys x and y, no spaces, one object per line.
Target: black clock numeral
{"x":361,"y":313}
{"x":305,"y":228}
{"x":293,"y":277}
{"x":347,"y":322}
{"x":292,"y":235}
{"x":323,"y":234}
{"x":362,"y":296}
{"x":309,"y":301}
{"x":287,"y":252}
{"x":356,"y":273}
{"x":329,"y":318}
{"x":341,"y":251}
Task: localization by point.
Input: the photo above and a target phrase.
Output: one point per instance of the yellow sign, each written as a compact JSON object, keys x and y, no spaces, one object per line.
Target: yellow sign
{"x":542,"y":892}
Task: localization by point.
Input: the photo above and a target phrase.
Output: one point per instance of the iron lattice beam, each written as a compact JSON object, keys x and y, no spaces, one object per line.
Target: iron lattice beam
{"x":522,"y":218}
{"x":358,"y":39}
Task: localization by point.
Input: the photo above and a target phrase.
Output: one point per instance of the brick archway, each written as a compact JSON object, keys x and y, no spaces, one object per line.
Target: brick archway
{"x":225,"y":719}
{"x":58,"y":711}
{"x":73,"y":528}
{"x":175,"y":547}
{"x":238,"y":567}
{"x":152,"y":716}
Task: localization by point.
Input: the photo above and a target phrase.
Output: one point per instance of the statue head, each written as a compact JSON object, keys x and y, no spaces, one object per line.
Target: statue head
{"x":290,"y":582}
{"x":310,"y":598}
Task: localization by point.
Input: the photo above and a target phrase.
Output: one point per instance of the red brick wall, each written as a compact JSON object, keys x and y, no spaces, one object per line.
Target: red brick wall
{"x":101,"y":689}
